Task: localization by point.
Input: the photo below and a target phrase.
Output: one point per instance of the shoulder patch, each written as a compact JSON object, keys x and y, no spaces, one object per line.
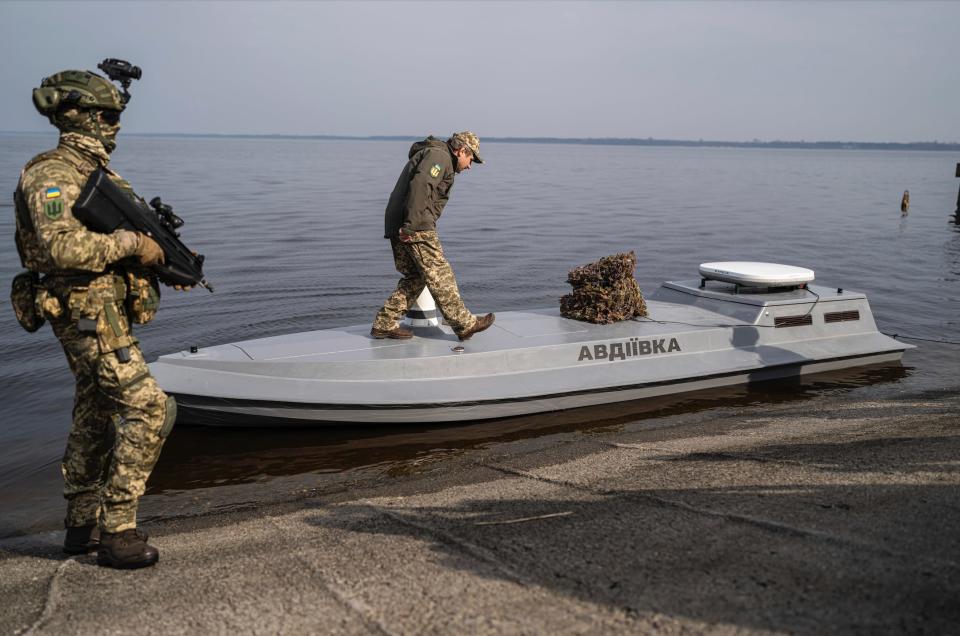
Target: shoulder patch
{"x":52,"y":193}
{"x":435,"y":170}
{"x":53,"y":209}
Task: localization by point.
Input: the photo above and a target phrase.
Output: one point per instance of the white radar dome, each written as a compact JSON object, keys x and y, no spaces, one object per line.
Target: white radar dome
{"x":756,"y":274}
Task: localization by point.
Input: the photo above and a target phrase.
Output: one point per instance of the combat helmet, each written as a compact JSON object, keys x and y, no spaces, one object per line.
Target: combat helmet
{"x":87,"y":92}
{"x":81,"y":89}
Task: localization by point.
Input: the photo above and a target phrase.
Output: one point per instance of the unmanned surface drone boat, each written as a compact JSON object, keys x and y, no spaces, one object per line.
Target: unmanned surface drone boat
{"x":740,"y":322}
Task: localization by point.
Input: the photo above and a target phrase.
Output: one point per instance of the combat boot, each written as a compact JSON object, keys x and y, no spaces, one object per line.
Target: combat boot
{"x":482,"y":323}
{"x":81,"y":539}
{"x":397,"y":333}
{"x":126,"y":550}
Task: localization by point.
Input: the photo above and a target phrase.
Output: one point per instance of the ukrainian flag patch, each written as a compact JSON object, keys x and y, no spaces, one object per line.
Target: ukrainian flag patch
{"x":53,"y":193}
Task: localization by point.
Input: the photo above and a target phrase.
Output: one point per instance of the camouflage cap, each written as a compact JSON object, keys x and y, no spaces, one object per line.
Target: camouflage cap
{"x":471,"y":141}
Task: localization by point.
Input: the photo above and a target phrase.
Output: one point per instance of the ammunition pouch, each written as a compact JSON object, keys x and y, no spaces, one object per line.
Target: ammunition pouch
{"x":143,"y":295}
{"x":23,"y":297}
{"x":98,"y":310}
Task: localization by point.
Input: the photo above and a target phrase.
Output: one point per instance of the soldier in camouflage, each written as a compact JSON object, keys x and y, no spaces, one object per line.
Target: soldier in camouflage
{"x":410,"y":223}
{"x":92,"y":287}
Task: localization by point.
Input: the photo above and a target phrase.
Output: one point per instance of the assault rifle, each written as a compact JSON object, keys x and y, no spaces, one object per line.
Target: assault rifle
{"x":104,"y":207}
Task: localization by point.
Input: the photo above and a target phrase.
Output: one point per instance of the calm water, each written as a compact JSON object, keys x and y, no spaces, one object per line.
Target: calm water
{"x":291,"y":230}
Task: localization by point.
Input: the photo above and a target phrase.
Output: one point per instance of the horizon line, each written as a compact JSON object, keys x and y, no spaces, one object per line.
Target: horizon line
{"x":623,"y":141}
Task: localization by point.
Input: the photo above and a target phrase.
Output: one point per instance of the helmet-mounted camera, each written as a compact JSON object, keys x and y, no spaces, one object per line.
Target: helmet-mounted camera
{"x":121,"y":71}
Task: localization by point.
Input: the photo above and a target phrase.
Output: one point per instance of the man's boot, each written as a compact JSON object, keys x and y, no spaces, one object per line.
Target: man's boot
{"x":81,"y":539}
{"x":127,"y":549}
{"x":397,"y":333}
{"x":480,"y":324}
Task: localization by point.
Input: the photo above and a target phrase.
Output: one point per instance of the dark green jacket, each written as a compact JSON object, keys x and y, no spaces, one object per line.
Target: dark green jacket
{"x":422,"y":190}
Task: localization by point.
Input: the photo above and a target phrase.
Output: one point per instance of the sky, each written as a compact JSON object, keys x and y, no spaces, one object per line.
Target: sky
{"x":731,"y":71}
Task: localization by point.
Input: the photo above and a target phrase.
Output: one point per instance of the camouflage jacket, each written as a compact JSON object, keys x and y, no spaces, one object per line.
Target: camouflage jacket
{"x":422,"y":190}
{"x":49,"y":238}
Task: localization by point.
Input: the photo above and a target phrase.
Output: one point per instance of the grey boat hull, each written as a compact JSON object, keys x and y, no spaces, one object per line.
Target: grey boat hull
{"x":528,"y":362}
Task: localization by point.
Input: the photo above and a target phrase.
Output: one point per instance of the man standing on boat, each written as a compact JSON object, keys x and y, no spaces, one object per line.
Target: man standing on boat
{"x":91,"y":287}
{"x":410,"y":222}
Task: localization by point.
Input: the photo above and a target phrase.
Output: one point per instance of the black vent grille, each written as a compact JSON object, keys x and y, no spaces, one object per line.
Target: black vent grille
{"x":841,"y":316}
{"x":793,"y":321}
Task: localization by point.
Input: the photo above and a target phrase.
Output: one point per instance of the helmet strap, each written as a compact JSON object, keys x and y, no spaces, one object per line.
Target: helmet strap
{"x":108,"y":144}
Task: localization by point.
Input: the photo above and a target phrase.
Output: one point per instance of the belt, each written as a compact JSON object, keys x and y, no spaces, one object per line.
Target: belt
{"x":83,"y":279}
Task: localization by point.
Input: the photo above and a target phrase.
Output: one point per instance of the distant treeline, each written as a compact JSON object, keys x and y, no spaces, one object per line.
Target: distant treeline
{"x":701,"y":143}
{"x":650,"y":141}
{"x":612,"y":141}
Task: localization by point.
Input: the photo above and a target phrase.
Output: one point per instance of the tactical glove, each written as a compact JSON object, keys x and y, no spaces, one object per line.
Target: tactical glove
{"x":149,"y":252}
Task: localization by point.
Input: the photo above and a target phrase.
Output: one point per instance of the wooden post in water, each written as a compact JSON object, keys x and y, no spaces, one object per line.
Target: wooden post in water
{"x":956,"y":215}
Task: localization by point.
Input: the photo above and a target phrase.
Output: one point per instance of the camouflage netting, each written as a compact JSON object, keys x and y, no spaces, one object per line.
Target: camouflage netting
{"x":604,"y":291}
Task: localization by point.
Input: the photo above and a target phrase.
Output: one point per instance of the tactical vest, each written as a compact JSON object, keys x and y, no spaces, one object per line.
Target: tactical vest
{"x":134,"y":287}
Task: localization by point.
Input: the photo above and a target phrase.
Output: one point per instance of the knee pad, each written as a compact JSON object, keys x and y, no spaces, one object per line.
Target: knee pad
{"x":169,"y":416}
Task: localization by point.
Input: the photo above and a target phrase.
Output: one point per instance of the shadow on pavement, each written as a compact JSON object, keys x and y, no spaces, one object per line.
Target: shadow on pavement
{"x":771,"y":543}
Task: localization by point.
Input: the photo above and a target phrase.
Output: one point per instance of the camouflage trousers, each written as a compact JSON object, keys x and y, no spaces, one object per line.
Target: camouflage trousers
{"x":121,"y":418}
{"x":422,"y":264}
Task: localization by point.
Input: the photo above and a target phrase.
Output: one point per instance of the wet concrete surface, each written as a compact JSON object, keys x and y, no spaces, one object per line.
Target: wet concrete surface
{"x":830,"y":515}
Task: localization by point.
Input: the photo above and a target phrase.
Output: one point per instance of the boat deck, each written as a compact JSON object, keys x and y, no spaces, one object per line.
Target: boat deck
{"x":689,"y":310}
{"x":531,"y":361}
